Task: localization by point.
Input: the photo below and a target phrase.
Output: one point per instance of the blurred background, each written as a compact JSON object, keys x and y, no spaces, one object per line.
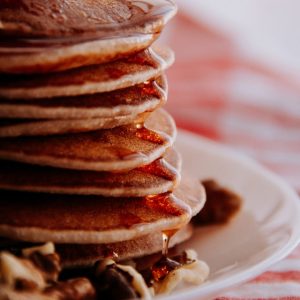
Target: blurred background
{"x":236,"y":79}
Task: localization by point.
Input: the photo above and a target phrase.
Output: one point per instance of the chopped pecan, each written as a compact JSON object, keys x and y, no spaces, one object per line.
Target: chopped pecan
{"x":114,"y":284}
{"x":49,"y":265}
{"x":45,"y":259}
{"x":73,"y":289}
{"x":194,"y":271}
{"x":120,"y":282}
{"x":20,"y":273}
{"x":221,"y":205}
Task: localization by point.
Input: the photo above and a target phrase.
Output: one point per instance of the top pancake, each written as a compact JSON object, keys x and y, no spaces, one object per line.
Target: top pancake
{"x":59,"y":34}
{"x":75,"y":219}
{"x":120,"y":148}
{"x":99,"y":78}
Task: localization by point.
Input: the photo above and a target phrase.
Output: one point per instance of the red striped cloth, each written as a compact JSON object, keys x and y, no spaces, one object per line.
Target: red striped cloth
{"x":218,"y":94}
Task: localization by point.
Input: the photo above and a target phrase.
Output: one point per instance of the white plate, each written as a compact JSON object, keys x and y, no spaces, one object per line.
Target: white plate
{"x":266,"y":229}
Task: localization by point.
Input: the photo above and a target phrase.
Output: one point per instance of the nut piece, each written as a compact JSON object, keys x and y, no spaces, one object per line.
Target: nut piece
{"x":19,"y":273}
{"x":221,"y":205}
{"x":45,"y":249}
{"x":194,"y":272}
{"x":116,"y":281}
{"x":75,"y":289}
{"x":45,"y":260}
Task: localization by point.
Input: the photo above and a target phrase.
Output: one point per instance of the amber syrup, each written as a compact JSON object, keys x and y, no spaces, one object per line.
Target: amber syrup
{"x":165,"y":265}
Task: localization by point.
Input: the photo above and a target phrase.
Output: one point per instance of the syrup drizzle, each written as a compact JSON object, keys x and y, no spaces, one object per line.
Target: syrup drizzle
{"x":162,"y":169}
{"x":166,"y":237}
{"x":167,"y":204}
{"x":165,"y":264}
{"x":148,"y":135}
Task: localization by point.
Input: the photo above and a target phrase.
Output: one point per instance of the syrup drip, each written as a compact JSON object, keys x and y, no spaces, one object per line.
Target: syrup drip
{"x":148,"y":135}
{"x":167,"y":204}
{"x":162,"y":169}
{"x":109,"y":253}
{"x":166,"y":237}
{"x":154,"y":89}
{"x":164,"y":265}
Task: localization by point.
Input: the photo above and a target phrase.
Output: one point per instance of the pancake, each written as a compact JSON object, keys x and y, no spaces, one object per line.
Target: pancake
{"x":46,"y":36}
{"x":120,"y":148}
{"x":76,"y":255}
{"x":159,"y":177}
{"x":34,"y":127}
{"x":99,"y":78}
{"x":100,"y":111}
{"x":129,"y":101}
{"x":75,"y":219}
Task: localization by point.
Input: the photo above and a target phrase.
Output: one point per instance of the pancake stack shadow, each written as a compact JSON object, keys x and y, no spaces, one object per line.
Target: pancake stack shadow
{"x":86,"y":152}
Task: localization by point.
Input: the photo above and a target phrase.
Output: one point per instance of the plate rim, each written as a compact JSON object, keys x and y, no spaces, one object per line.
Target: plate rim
{"x":249,"y":273}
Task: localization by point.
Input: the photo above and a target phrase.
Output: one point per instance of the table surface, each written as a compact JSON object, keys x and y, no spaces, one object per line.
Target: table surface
{"x":216,"y":93}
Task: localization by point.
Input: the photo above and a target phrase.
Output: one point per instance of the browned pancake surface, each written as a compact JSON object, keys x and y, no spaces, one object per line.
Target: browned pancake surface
{"x":95,"y":73}
{"x":135,"y":99}
{"x":44,"y":127}
{"x":124,"y":147}
{"x":125,"y":72}
{"x":133,"y":95}
{"x":93,"y":219}
{"x":88,"y":213}
{"x":46,"y":36}
{"x":56,"y":17}
{"x":104,"y":145}
{"x":75,"y":255}
{"x":160,"y":176}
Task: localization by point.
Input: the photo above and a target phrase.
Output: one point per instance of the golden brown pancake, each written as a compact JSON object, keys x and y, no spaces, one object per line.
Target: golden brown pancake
{"x":76,"y":255}
{"x":128,"y":101}
{"x":99,"y":78}
{"x":120,"y":148}
{"x":36,"y":127}
{"x":75,"y":219}
{"x":160,"y":176}
{"x":44,"y":36}
{"x":56,"y":18}
{"x":82,"y":113}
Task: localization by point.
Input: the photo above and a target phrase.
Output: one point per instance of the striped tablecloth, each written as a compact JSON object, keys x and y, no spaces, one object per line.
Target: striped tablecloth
{"x":216,"y":93}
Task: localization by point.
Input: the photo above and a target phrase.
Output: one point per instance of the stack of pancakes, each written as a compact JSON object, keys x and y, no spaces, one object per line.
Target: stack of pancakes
{"x":87,"y":156}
